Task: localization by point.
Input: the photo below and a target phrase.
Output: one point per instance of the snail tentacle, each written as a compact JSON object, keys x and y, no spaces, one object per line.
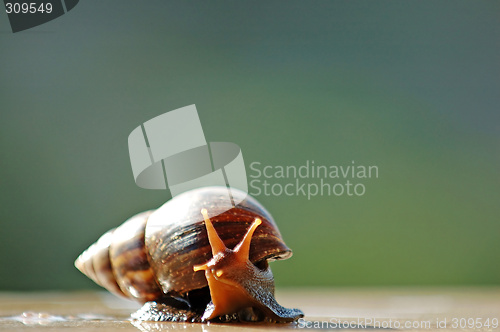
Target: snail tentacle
{"x":215,"y":241}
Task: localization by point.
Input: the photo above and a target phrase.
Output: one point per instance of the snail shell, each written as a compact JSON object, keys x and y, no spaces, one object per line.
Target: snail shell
{"x":151,"y":256}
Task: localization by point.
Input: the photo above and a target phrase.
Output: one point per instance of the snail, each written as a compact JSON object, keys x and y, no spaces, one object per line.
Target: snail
{"x":197,"y":258}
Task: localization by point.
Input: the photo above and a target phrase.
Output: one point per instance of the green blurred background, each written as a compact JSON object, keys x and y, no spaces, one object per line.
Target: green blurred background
{"x":409,"y":86}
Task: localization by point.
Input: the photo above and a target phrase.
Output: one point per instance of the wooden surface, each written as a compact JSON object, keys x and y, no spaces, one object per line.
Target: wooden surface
{"x":392,"y":308}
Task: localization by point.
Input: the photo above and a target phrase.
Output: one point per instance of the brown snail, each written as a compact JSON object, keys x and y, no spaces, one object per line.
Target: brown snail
{"x":176,"y":260}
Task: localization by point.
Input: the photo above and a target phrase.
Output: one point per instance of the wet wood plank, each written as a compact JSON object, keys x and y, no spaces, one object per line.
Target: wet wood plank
{"x":391,"y":308}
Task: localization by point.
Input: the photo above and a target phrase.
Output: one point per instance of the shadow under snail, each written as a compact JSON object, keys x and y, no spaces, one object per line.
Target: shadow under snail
{"x":176,"y":260}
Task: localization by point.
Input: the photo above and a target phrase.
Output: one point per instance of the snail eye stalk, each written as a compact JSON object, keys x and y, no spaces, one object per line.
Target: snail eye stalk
{"x":242,"y":250}
{"x":215,"y":241}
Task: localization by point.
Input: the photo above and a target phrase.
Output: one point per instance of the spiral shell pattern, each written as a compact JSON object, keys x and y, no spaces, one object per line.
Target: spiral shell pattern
{"x":119,"y":262}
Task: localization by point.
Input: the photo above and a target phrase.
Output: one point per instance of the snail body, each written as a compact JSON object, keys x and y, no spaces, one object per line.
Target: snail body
{"x":178,"y":262}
